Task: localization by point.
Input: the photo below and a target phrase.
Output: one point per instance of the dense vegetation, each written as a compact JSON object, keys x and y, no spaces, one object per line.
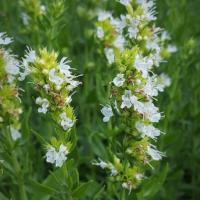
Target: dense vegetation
{"x":69,"y":28}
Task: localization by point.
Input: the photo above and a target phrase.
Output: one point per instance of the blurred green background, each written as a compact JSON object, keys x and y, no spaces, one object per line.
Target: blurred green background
{"x":71,"y":33}
{"x":181,"y":102}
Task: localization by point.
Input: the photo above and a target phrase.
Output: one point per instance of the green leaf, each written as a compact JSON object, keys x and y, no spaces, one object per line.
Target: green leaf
{"x":41,"y":191}
{"x":64,"y":178}
{"x":99,"y":193}
{"x":98,"y":146}
{"x":82,"y":190}
{"x":153,"y":185}
{"x":25,"y":124}
{"x":39,"y":137}
{"x":2,"y":197}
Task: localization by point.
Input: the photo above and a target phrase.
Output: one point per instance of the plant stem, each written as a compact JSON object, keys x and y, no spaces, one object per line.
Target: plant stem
{"x":20,"y":181}
{"x":18,"y":171}
{"x":123,"y":195}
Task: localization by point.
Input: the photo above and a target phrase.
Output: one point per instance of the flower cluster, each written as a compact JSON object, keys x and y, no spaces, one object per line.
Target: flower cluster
{"x":134,"y":47}
{"x":54,"y":84}
{"x":57,"y":157}
{"x":114,"y":167}
{"x":10,"y":106}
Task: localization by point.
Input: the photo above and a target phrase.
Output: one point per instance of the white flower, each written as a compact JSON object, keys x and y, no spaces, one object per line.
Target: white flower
{"x":1,"y":119}
{"x":54,"y":78}
{"x":26,"y":70}
{"x":154,"y":153}
{"x":157,"y":59}
{"x":72,"y":83}
{"x":109,"y":55}
{"x":139,"y":107}
{"x":162,"y":82}
{"x":30,"y":55}
{"x":107,"y":112}
{"x":61,"y":156}
{"x":138,"y":81}
{"x":4,"y":40}
{"x":15,"y":134}
{"x":64,"y":67}
{"x":66,"y":122}
{"x":128,"y":99}
{"x":105,"y":165}
{"x":151,"y":112}
{"x":147,"y":130}
{"x":148,"y":9}
{"x":150,"y":88}
{"x":113,"y":172}
{"x":148,"y":110}
{"x":44,"y":103}
{"x":100,"y":32}
{"x":103,"y":15}
{"x":172,"y":49}
{"x":25,"y":18}
{"x":133,"y":27}
{"x":134,"y":100}
{"x":139,"y":176}
{"x":125,"y":185}
{"x":101,"y":164}
{"x":46,"y":87}
{"x":128,"y":185}
{"x":119,"y":80}
{"x":165,"y":79}
{"x":132,"y":32}
{"x":143,"y":65}
{"x":12,"y":68}
{"x":43,"y":8}
{"x":51,"y":155}
{"x":119,"y":42}
{"x":153,"y":43}
{"x":62,"y":74}
{"x":165,"y":36}
{"x":12,"y":64}
{"x":57,"y":157}
{"x":119,"y":23}
{"x":124,"y":2}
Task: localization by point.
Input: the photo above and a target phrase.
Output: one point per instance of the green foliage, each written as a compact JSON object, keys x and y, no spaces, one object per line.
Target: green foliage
{"x":181,"y":104}
{"x":68,"y":26}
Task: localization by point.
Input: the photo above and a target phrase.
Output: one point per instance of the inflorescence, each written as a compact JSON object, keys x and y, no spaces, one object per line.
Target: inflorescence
{"x":134,"y":47}
{"x":10,"y":103}
{"x":54,"y":83}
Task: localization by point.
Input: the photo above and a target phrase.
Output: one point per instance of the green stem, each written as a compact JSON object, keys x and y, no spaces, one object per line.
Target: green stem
{"x":193,"y":169}
{"x":20,"y":180}
{"x":123,"y":195}
{"x":18,"y":171}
